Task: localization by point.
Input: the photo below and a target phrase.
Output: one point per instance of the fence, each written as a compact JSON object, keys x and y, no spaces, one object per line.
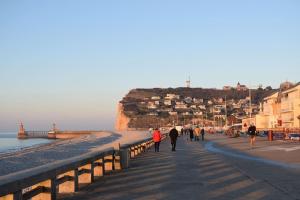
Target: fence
{"x":48,"y":181}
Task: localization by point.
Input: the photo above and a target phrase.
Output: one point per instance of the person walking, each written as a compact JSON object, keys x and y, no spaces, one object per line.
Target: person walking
{"x":173,"y":135}
{"x":191,"y":134}
{"x":156,"y":139}
{"x":202,"y":133}
{"x":252,"y":134}
{"x":197,"y":133}
{"x":182,"y":132}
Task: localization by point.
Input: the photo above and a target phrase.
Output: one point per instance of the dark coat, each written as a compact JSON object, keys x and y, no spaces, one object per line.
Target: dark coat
{"x":173,"y":134}
{"x":252,"y":130}
{"x":202,"y":131}
{"x":191,"y":133}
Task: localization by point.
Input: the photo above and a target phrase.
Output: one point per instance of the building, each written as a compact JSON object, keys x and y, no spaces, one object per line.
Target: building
{"x":198,"y":101}
{"x":188,"y":100}
{"x":280,"y":110}
{"x":173,"y":113}
{"x":202,"y":107}
{"x":290,"y":107}
{"x":153,"y":114}
{"x":151,"y":105}
{"x":172,"y":96}
{"x":156,"y":98}
{"x":181,"y":106}
{"x":157,"y":103}
{"x":286,"y":85}
{"x":168,"y":102}
{"x":240,"y":87}
{"x":198,"y":113}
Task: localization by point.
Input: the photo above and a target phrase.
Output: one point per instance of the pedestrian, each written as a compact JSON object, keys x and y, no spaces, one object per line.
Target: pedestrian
{"x":181,"y":132}
{"x":197,"y":133}
{"x":191,"y":134}
{"x":173,"y":135}
{"x":156,"y":139}
{"x":252,"y":134}
{"x":202,"y":133}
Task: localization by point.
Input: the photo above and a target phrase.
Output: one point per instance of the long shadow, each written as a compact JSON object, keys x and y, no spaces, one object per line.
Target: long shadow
{"x":192,"y":173}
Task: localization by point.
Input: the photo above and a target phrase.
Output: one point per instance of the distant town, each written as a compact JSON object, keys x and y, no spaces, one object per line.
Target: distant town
{"x":239,"y":106}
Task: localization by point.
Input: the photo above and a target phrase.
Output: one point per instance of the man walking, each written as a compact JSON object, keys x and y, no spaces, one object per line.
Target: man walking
{"x":252,"y":133}
{"x":202,"y":133}
{"x":156,"y":139}
{"x":173,"y":135}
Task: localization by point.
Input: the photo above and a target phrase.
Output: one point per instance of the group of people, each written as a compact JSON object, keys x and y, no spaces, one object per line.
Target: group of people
{"x":174,"y":134}
{"x":194,"y":133}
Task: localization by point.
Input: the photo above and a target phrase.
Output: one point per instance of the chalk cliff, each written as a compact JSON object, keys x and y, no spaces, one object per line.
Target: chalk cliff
{"x":122,"y":120}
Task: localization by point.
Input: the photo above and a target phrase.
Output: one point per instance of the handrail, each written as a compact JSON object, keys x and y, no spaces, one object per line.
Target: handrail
{"x":57,"y":173}
{"x":11,"y":183}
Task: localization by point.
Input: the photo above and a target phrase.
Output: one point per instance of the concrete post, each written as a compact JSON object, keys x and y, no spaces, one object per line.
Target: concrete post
{"x":18,"y":195}
{"x":124,"y":158}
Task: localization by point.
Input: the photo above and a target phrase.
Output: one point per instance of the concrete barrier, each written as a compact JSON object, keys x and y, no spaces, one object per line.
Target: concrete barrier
{"x":67,"y":176}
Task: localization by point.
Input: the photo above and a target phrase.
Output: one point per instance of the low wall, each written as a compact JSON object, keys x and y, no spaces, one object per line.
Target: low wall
{"x":48,"y":181}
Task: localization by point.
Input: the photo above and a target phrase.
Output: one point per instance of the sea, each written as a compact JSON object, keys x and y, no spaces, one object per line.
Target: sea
{"x":9,"y":142}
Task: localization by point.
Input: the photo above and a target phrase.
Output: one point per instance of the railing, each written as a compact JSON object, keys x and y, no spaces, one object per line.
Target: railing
{"x":48,"y":181}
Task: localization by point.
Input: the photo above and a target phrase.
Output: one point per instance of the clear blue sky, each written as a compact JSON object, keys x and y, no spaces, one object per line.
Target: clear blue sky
{"x":70,"y":62}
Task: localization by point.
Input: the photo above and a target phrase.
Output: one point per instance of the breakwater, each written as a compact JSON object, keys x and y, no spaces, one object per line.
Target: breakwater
{"x":53,"y":134}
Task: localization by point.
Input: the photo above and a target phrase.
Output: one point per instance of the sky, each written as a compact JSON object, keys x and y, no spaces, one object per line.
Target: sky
{"x":71,"y":61}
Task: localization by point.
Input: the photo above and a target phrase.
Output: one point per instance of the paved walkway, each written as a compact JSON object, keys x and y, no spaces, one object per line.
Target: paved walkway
{"x":192,"y":172}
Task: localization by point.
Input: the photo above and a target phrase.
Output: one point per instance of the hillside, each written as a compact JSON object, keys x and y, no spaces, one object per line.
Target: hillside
{"x":145,"y":108}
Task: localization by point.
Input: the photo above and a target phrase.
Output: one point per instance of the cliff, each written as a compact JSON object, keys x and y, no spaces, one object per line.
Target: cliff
{"x":122,"y":119}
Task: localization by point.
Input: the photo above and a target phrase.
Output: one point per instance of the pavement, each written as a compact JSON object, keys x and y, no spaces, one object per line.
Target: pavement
{"x":219,"y":168}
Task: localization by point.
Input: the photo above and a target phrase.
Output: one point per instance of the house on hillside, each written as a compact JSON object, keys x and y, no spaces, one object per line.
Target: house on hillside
{"x":240,"y":87}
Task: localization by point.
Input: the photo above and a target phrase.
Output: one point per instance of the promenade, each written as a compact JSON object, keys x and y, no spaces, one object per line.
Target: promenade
{"x":220,"y":168}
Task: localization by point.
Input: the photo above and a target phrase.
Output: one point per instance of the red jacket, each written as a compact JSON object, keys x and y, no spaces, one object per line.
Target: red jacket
{"x":156,"y":136}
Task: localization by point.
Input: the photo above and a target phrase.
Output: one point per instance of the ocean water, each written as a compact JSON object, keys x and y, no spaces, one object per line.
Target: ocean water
{"x":10,"y":143}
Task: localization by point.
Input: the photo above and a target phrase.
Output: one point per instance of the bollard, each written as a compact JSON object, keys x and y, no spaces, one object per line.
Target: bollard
{"x":270,"y":136}
{"x":124,"y":158}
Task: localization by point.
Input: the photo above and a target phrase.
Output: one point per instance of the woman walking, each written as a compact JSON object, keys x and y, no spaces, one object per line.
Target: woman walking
{"x":157,"y":139}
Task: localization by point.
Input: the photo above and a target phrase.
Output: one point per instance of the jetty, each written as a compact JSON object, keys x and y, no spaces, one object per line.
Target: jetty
{"x":52,"y":134}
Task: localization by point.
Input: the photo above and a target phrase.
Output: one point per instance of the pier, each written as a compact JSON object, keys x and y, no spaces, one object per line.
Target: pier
{"x":51,"y":134}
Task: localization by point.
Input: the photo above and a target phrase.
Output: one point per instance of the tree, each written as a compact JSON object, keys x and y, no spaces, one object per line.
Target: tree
{"x":268,"y":88}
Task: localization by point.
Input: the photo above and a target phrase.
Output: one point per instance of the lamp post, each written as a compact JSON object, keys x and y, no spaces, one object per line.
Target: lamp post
{"x":250,"y":103}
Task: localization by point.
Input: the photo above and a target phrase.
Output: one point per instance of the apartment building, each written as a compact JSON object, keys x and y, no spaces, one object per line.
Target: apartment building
{"x":280,"y":110}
